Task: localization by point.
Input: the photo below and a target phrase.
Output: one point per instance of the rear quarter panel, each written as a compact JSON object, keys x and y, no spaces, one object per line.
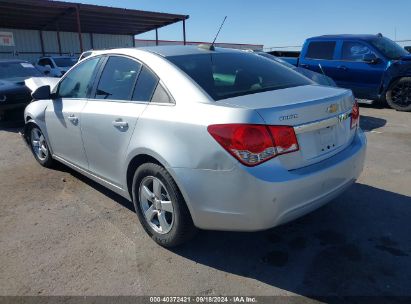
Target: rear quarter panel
{"x":177,"y":135}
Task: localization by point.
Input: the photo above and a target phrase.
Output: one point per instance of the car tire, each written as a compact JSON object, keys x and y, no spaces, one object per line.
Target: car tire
{"x":398,"y":95}
{"x":163,"y":213}
{"x":39,"y":147}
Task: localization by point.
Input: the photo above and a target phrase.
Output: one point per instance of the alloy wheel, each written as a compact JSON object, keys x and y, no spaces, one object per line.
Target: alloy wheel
{"x":39,"y":144}
{"x":156,"y":204}
{"x":401,"y":94}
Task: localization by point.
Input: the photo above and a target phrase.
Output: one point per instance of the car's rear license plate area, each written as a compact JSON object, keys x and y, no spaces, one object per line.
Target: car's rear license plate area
{"x":327,"y":139}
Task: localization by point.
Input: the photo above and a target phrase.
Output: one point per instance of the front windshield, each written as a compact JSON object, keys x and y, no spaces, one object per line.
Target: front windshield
{"x":225,"y":75}
{"x":65,"y":62}
{"x":11,"y":70}
{"x":389,"y":48}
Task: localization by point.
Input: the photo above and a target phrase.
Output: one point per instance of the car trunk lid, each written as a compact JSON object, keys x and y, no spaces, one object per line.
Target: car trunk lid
{"x":320,"y":116}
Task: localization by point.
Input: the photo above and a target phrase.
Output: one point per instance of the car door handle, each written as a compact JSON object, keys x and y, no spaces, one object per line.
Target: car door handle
{"x":119,"y":123}
{"x":342,"y":67}
{"x":73,"y":118}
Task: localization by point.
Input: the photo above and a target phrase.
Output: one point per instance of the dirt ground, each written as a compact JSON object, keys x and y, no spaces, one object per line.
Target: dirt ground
{"x":62,"y":234}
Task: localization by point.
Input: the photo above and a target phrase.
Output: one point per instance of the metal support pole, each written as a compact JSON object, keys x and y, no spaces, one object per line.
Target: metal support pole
{"x":79,"y":27}
{"x":156,"y":36}
{"x":184,"y":31}
{"x":91,"y":41}
{"x":134,"y":40}
{"x":42,"y":42}
{"x":58,"y":39}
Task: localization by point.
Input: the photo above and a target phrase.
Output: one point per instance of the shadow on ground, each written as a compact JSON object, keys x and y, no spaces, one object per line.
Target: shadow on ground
{"x":369,"y":123}
{"x":114,"y":196}
{"x":357,"y":245}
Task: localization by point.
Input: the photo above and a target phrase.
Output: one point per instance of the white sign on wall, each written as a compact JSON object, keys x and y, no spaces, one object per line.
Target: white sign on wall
{"x":6,"y":39}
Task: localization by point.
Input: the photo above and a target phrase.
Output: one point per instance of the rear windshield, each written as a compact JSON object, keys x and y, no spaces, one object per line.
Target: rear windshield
{"x":225,"y":75}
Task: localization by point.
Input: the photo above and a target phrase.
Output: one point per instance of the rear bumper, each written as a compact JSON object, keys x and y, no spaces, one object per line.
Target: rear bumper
{"x":258,"y":198}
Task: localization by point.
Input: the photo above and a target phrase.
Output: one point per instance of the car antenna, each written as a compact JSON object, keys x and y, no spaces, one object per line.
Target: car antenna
{"x":321,"y":69}
{"x":211,"y":47}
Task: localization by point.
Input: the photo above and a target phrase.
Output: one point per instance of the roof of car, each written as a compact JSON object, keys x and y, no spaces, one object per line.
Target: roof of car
{"x":57,"y":57}
{"x":12,"y":60}
{"x":177,"y":50}
{"x":342,"y":36}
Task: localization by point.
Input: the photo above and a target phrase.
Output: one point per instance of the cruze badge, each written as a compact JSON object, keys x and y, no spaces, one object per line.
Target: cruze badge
{"x":287,"y":117}
{"x":332,"y":108}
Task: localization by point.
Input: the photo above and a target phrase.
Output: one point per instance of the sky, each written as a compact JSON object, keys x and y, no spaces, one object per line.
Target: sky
{"x":275,"y":23}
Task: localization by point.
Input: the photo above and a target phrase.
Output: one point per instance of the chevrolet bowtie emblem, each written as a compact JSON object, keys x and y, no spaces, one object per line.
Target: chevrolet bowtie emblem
{"x":332,"y":108}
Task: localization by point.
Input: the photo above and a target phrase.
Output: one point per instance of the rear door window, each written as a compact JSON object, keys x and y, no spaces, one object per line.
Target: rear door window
{"x":145,"y":86}
{"x":118,"y":78}
{"x":321,"y":50}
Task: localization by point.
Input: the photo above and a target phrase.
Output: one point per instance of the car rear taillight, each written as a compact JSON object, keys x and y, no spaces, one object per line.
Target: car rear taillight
{"x":253,"y":144}
{"x":355,"y":115}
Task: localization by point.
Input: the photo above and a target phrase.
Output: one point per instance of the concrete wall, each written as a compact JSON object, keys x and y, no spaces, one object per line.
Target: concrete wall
{"x":28,"y":43}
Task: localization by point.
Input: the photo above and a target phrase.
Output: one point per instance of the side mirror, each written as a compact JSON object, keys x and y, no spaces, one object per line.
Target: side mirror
{"x":42,"y":92}
{"x":370,"y":58}
{"x":47,"y":67}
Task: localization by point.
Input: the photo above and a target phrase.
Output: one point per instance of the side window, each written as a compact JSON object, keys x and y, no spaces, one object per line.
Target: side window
{"x":79,"y":80}
{"x":354,"y":51}
{"x":50,"y":63}
{"x":321,"y":50}
{"x":145,"y":86}
{"x":160,"y":95}
{"x":43,"y":61}
{"x":118,"y":78}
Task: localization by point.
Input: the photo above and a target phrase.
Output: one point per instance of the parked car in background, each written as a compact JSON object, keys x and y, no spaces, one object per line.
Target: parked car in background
{"x":372,"y":66}
{"x":13,"y":92}
{"x":314,"y":76}
{"x":200,"y":138}
{"x":55,"y":66}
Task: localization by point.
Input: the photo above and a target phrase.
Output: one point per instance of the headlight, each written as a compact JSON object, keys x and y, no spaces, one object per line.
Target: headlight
{"x":3,"y":98}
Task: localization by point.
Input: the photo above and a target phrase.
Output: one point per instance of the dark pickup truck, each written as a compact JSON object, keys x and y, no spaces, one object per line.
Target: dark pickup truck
{"x":372,"y":66}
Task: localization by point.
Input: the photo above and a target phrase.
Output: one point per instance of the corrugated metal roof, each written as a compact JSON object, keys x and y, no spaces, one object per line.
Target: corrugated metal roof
{"x":53,"y":15}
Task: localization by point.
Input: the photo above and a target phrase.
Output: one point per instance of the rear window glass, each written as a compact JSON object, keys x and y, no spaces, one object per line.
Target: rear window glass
{"x":225,"y":75}
{"x":321,"y":50}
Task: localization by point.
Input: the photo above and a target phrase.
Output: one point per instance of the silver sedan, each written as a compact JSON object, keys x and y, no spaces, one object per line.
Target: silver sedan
{"x":200,"y":137}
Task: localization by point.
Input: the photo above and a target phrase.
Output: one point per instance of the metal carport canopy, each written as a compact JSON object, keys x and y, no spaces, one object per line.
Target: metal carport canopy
{"x":82,"y":18}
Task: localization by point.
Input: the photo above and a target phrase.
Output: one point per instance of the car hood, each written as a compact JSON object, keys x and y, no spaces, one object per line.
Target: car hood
{"x":36,"y":82}
{"x":7,"y":86}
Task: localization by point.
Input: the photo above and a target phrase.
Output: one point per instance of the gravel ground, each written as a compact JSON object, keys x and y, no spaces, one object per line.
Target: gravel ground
{"x":62,"y":234}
